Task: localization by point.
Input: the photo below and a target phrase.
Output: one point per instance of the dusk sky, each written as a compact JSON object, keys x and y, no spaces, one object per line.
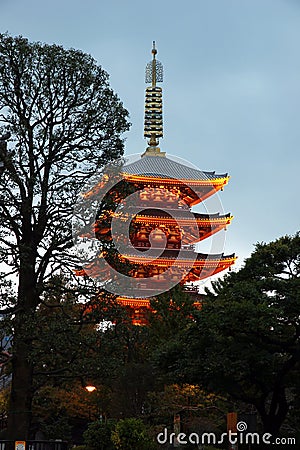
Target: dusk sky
{"x":231,"y":90}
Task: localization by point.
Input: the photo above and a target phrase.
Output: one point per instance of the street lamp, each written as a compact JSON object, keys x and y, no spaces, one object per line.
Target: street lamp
{"x":90,"y":388}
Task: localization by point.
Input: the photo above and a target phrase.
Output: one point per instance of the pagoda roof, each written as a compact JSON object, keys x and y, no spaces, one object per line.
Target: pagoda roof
{"x":163,"y":167}
{"x":173,"y":257}
{"x":181,"y":214}
{"x":139,"y":302}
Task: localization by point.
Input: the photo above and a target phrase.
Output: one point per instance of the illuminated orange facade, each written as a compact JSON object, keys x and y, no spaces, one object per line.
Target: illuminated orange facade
{"x":163,"y":229}
{"x":166,"y":223}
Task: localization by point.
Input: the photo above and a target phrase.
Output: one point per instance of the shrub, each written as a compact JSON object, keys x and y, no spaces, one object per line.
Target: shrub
{"x":131,"y":434}
{"x":98,"y":435}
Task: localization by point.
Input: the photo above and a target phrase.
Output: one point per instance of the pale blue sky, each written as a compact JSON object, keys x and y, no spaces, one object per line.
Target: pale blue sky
{"x":231,"y":90}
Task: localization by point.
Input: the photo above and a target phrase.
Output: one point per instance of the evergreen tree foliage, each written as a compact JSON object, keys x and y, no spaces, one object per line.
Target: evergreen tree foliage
{"x":245,"y":340}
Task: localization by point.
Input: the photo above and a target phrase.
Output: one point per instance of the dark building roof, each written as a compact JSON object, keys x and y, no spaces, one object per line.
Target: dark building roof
{"x":159,"y":166}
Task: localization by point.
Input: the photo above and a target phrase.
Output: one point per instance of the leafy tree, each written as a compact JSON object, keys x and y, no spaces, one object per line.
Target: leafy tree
{"x":69,"y":351}
{"x":63,"y":411}
{"x":135,"y":350}
{"x":245,"y":340}
{"x":197,"y":407}
{"x":172,"y":312}
{"x":67,"y":336}
{"x":71,"y":348}
{"x":98,"y":435}
{"x":130,"y":389}
{"x":124,"y":352}
{"x":172,"y":316}
{"x":131,"y":434}
{"x":65,"y":124}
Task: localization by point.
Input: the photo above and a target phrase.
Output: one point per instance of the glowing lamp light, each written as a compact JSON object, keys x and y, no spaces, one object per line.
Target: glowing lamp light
{"x":90,"y":388}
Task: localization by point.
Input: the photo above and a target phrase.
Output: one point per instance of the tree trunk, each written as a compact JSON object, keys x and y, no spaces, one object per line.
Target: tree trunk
{"x":19,"y":416}
{"x":273,"y":420}
{"x":20,"y":402}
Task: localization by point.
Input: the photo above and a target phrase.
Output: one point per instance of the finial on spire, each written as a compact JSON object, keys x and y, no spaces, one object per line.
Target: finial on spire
{"x":154,"y":69}
{"x":154,"y":51}
{"x":153,"y":128}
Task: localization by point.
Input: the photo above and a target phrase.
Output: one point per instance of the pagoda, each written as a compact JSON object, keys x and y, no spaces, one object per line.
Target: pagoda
{"x":160,"y":248}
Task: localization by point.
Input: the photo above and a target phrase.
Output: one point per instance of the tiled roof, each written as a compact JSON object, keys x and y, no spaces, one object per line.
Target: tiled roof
{"x":157,"y":166}
{"x":184,"y":255}
{"x":180,"y":214}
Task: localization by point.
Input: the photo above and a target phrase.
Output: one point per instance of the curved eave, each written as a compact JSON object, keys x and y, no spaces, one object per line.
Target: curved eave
{"x":144,"y":302}
{"x":217,"y":181}
{"x":222,"y":220}
{"x":134,"y":302}
{"x":166,"y":262}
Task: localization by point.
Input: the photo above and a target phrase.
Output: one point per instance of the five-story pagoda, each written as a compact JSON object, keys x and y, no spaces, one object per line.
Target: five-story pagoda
{"x":163,"y":231}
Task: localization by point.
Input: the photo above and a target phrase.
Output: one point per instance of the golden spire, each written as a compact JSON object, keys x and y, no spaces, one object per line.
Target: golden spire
{"x":153,"y":125}
{"x":154,"y":52}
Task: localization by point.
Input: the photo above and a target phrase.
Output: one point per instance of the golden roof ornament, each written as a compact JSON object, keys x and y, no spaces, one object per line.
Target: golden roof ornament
{"x":153,"y":124}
